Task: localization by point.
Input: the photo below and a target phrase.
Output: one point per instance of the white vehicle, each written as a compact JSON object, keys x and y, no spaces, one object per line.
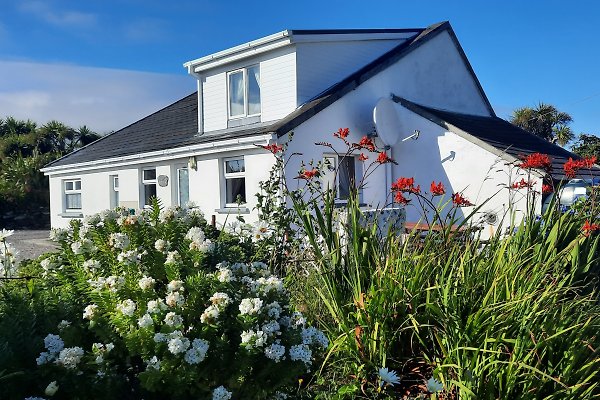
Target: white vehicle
{"x":571,"y":192}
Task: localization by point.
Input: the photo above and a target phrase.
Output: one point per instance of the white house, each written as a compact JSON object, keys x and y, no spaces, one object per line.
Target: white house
{"x":311,"y":82}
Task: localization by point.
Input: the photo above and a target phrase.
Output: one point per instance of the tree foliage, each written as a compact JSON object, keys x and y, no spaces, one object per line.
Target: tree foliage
{"x":587,"y":146}
{"x":545,"y":121}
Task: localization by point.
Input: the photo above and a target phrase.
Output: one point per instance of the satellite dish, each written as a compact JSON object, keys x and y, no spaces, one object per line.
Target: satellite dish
{"x":387,"y":121}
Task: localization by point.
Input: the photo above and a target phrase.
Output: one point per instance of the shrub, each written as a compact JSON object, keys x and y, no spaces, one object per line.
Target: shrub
{"x":160,"y":305}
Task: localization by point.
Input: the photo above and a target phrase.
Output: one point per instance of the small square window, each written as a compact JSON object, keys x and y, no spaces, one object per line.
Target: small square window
{"x":235,"y":182}
{"x":72,"y":195}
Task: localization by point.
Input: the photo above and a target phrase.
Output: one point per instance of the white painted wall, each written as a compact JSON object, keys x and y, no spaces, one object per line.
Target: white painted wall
{"x":320,"y":65}
{"x":277,"y":91}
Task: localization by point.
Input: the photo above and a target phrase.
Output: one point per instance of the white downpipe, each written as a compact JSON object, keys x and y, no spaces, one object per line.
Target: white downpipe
{"x":389,"y":178}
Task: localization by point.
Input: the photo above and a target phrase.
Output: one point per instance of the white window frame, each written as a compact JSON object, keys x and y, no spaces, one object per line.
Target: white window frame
{"x":335,"y":170}
{"x":231,"y":175}
{"x":147,"y":182}
{"x":178,"y":193}
{"x":71,"y":192}
{"x":114,"y":191}
{"x":245,"y":83}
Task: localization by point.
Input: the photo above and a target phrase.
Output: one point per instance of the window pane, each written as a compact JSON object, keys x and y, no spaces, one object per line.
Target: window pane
{"x":149,"y":174}
{"x":328,"y":177}
{"x":184,"y":186}
{"x":346,"y":177}
{"x":236,"y":94}
{"x":149,"y":193}
{"x":77,"y":185}
{"x":236,"y":190}
{"x":233,"y":166}
{"x":69,"y":185}
{"x":116,"y":182}
{"x":253,"y":90}
{"x":73,"y":201}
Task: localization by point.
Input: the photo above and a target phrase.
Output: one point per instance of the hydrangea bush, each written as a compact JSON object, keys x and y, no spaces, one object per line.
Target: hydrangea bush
{"x":161,"y":305}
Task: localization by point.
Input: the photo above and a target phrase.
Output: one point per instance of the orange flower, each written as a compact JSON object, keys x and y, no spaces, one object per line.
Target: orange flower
{"x":399,"y":197}
{"x":547,"y":189}
{"x":308,"y":174}
{"x":273,"y":148}
{"x":342,"y":133}
{"x":522,"y":184}
{"x":460,"y":201}
{"x":362,"y":157}
{"x":437,"y":190}
{"x":588,"y":228}
{"x":571,"y":167}
{"x":406,"y":185}
{"x":383,"y":158}
{"x":536,"y":161}
{"x":365,"y":143}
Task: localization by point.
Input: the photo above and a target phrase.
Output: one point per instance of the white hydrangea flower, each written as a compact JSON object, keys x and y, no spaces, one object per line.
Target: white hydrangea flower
{"x":160,"y":337}
{"x":173,"y":319}
{"x":297,"y":320}
{"x":82,"y":246}
{"x":195,"y":234}
{"x":156,"y":306}
{"x":250,"y":306}
{"x":221,"y":393}
{"x":146,"y":283}
{"x":301,"y":352}
{"x":153,"y":363}
{"x":210,"y":315}
{"x":129,"y":257}
{"x":114,"y":283}
{"x":126,"y":307}
{"x":275,"y":352}
{"x":220,"y":299}
{"x":173,"y":257}
{"x":175,"y":299}
{"x":251,"y":338}
{"x":312,"y":335}
{"x":145,"y":321}
{"x":177,"y":343}
{"x":161,"y":245}
{"x":63,"y":324}
{"x":197,"y":353}
{"x":225,"y":275}
{"x":175,"y":286}
{"x":119,"y":240}
{"x":70,"y":357}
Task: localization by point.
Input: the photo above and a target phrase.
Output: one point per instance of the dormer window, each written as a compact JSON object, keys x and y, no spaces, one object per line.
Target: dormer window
{"x":244,"y":92}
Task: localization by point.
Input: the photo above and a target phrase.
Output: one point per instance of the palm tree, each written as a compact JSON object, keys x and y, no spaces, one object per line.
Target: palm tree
{"x":545,"y":121}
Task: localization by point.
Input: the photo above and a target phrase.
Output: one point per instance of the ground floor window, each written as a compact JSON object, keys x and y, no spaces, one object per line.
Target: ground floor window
{"x":235,"y":181}
{"x":340,"y":175}
{"x":183,"y":186}
{"x":114,"y":191}
{"x":148,"y":185}
{"x":72,"y":193}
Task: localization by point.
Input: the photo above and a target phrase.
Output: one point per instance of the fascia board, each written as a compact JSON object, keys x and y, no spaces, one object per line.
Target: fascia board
{"x":164,"y":155}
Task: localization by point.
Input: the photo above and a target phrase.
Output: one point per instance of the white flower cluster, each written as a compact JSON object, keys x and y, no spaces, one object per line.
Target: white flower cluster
{"x":59,"y":234}
{"x":173,"y":319}
{"x":171,"y":213}
{"x":313,"y":336}
{"x":173,"y":257}
{"x":126,"y":307}
{"x":301,"y":352}
{"x":197,"y":353}
{"x":100,"y":349}
{"x":130,"y":256}
{"x":252,"y":339}
{"x":221,"y":393}
{"x":161,"y":245}
{"x":8,"y":254}
{"x":112,"y":283}
{"x":50,"y":264}
{"x":156,"y":306}
{"x":119,"y":240}
{"x":91,"y":265}
{"x":69,"y":357}
{"x":146,"y":283}
{"x":219,"y":302}
{"x":83,"y":246}
{"x":199,"y":241}
{"x":145,"y":321}
{"x":89,"y":311}
{"x":250,"y":306}
{"x":175,"y":296}
{"x":54,"y":345}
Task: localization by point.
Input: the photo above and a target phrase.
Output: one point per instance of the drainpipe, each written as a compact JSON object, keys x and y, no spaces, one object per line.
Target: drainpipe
{"x":389,"y":178}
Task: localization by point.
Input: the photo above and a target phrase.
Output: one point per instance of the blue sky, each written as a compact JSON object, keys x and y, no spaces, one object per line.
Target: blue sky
{"x":107,"y":63}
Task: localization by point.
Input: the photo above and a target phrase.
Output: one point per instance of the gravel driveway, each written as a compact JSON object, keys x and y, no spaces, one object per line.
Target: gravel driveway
{"x":31,"y":244}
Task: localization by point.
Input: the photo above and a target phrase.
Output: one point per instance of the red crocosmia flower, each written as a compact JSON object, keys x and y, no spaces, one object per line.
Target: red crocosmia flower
{"x":571,"y":167}
{"x":522,"y":184}
{"x":383,"y":158}
{"x":362,"y":157}
{"x":406,"y":185}
{"x":437,"y":190}
{"x":365,"y":143}
{"x":399,"y":197}
{"x":547,"y":189}
{"x":273,"y":148}
{"x":459,"y":201}
{"x":342,"y":133}
{"x":308,"y":174}
{"x":536,"y":161}
{"x":588,"y":228}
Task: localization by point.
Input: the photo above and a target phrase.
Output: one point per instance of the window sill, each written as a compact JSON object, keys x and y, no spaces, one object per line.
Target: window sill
{"x":233,"y":210}
{"x":71,"y":214}
{"x":233,"y":122}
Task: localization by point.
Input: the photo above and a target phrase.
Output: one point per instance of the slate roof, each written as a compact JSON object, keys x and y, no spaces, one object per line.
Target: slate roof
{"x":176,"y":125}
{"x":501,"y":135}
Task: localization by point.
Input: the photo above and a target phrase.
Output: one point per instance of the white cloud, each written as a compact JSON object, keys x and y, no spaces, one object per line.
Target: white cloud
{"x":43,"y":11}
{"x":103,"y":99}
